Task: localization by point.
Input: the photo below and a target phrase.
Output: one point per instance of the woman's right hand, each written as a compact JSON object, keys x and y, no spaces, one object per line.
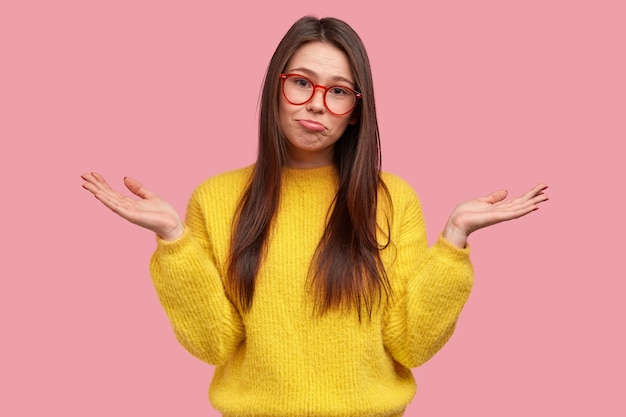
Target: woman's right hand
{"x":150,"y":212}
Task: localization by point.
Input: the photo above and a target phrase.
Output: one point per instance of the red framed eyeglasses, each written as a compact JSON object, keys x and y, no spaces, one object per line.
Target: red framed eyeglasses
{"x":338,"y":99}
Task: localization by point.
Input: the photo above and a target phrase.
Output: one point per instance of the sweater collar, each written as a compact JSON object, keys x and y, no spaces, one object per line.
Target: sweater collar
{"x":323,"y":173}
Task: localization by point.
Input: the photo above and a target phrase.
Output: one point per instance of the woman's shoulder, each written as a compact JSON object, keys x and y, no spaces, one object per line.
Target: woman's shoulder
{"x":398,"y":187}
{"x":229,"y":182}
{"x":228,"y":178}
{"x":401,"y":196}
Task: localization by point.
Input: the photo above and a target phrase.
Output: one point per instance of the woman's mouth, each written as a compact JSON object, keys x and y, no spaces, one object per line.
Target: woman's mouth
{"x":312,"y":125}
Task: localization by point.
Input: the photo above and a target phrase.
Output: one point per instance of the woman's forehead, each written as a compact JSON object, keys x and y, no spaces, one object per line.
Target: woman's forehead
{"x":321,"y":60}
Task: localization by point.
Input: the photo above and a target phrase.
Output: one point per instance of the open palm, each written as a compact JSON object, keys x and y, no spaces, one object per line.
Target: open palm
{"x":491,"y":209}
{"x":149,"y":211}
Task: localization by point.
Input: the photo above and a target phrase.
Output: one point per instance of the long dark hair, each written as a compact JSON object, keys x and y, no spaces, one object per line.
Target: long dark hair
{"x":346,"y":271}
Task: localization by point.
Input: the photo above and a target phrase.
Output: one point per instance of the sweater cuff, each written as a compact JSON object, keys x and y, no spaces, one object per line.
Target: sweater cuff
{"x":452,"y":252}
{"x":172,"y":246}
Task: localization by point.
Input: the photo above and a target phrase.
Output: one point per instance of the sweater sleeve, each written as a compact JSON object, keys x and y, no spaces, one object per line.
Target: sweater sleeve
{"x":431,"y":286}
{"x":191,"y":291}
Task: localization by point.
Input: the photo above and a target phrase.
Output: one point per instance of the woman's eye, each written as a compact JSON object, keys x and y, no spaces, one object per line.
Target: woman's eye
{"x":302,"y":82}
{"x":338,"y":91}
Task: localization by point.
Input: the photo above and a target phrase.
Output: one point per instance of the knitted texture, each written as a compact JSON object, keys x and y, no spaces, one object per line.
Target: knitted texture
{"x":281,"y":359}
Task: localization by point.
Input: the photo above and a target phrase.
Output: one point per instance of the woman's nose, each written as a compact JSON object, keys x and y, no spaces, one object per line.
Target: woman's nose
{"x":316,"y":103}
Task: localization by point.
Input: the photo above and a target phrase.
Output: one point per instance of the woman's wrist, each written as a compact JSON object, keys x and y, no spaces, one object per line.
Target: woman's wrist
{"x":174,"y":234}
{"x":454,"y":235}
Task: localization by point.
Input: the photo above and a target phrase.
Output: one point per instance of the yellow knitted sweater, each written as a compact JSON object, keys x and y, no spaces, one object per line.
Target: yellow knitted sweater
{"x":280,"y":359}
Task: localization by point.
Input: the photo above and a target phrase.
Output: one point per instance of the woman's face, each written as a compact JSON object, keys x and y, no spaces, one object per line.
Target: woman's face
{"x":311,"y":130}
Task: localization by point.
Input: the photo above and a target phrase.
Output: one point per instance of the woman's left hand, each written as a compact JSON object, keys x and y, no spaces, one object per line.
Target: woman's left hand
{"x":472,"y":215}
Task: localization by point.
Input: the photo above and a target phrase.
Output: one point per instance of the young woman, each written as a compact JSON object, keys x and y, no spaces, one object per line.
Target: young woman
{"x":306,"y":278}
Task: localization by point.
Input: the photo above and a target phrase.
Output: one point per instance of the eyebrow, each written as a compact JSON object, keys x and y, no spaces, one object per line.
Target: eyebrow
{"x":314,"y":74}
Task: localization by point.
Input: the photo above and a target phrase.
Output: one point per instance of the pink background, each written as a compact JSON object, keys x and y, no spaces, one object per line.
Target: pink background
{"x":472,"y":96}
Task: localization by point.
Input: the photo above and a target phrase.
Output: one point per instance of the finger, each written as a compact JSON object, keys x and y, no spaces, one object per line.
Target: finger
{"x":136,"y":188}
{"x":525,"y":203}
{"x":520,"y":207}
{"x":536,"y":190}
{"x":118,"y":203}
{"x":98,"y":177}
{"x":530,"y":196}
{"x":89,"y":177}
{"x":98,"y":182}
{"x":494,"y":197}
{"x":106,"y":199}
{"x":520,"y":212}
{"x":92,"y":183}
{"x":539,"y":198}
{"x":97,"y":185}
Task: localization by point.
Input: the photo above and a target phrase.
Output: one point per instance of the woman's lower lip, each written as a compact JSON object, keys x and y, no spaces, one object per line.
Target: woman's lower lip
{"x":311,"y":125}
